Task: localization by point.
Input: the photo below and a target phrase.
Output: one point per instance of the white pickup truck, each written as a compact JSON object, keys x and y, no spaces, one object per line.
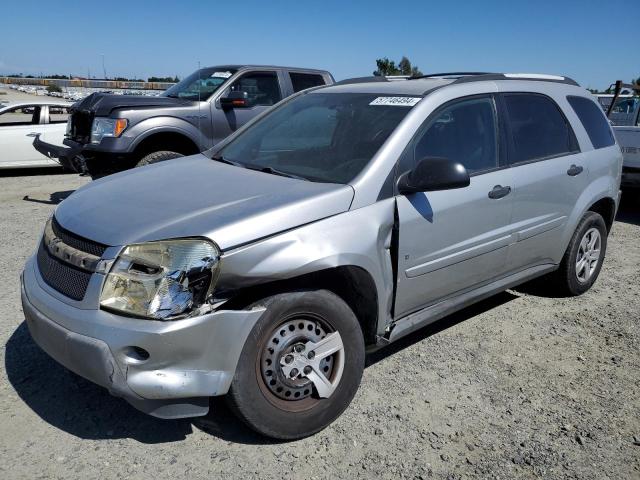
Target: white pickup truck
{"x":625,"y":119}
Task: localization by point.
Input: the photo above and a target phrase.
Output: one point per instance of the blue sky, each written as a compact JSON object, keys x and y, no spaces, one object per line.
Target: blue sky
{"x":593,"y":42}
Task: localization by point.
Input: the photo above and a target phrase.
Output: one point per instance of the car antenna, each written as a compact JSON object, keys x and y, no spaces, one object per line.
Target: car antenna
{"x":199,"y":107}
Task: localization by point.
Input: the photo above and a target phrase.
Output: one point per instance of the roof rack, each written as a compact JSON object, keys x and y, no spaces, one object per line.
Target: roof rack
{"x":464,"y":77}
{"x":372,"y":79}
{"x":518,"y":76}
{"x":450,"y":74}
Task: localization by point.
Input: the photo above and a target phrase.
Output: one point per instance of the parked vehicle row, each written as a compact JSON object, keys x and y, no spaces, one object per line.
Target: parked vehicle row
{"x":343,"y":219}
{"x":109,"y":133}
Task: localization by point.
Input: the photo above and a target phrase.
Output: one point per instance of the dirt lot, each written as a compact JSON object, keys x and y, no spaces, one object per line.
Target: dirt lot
{"x":520,"y":386}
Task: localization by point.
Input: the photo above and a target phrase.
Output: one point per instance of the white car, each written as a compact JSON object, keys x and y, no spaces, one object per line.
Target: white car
{"x":20,"y":122}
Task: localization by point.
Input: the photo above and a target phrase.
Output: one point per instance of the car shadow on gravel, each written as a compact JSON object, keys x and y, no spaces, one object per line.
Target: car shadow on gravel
{"x":54,"y":199}
{"x":72,"y":404}
{"x":629,"y":210}
{"x":75,"y":405}
{"x":437,"y":327}
{"x":31,"y":172}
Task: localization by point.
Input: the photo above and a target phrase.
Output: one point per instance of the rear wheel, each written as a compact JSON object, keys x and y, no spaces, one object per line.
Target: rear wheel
{"x":300,"y":366}
{"x":583,"y":258}
{"x":156,"y":157}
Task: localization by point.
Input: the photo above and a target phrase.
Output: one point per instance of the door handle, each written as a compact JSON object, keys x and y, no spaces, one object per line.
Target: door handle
{"x":499,"y":191}
{"x":574,"y":170}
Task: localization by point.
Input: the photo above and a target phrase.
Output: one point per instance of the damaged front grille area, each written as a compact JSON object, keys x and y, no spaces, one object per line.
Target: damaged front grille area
{"x":81,"y":121}
{"x":66,"y":261}
{"x":62,"y":277}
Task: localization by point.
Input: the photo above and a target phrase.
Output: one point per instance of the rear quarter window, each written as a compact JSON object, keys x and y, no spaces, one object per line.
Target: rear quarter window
{"x":593,"y":120}
{"x":302,"y":81}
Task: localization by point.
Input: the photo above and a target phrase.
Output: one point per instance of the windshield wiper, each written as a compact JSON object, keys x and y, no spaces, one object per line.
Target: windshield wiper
{"x":274,"y":171}
{"x":220,"y":158}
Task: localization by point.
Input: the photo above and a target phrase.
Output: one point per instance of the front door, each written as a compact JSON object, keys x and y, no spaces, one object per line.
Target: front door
{"x":454,"y":240}
{"x":263,"y":91}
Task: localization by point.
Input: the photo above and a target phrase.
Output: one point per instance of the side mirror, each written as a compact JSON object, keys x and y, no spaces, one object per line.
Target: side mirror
{"x":434,"y":173}
{"x":235,"y":100}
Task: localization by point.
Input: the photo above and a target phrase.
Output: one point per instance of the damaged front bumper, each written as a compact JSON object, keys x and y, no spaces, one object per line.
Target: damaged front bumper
{"x":188,"y":361}
{"x":69,"y":157}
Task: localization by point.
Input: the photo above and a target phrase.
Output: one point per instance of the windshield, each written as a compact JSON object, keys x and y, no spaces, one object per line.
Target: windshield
{"x":325,"y":137}
{"x":200,"y":85}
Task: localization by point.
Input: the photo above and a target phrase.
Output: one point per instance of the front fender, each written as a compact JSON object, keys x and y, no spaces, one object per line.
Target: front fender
{"x":359,"y":238}
{"x":151,"y":126}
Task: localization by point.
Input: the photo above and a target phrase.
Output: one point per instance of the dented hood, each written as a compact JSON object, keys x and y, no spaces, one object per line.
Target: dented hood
{"x":197,"y":196}
{"x":102,"y":104}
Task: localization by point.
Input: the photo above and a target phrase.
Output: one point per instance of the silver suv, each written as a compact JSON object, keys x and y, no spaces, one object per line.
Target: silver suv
{"x":337,"y":222}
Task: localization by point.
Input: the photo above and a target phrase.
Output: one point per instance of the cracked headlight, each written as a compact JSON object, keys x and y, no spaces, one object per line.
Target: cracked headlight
{"x":161,"y":280}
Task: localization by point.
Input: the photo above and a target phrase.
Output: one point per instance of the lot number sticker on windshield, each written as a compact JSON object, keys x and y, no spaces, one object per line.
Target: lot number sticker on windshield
{"x":221,"y":74}
{"x":396,"y":101}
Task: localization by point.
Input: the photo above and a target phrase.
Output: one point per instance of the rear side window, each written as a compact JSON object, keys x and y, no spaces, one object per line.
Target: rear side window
{"x":302,"y":81}
{"x":538,"y":128}
{"x":593,"y":120}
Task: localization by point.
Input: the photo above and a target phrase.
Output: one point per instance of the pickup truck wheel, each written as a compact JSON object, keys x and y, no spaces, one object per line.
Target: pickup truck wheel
{"x":300,"y":366}
{"x":156,"y":157}
{"x":583,"y":258}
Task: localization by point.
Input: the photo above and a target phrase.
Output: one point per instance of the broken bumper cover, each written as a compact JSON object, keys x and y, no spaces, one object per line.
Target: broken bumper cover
{"x":69,"y":157}
{"x":189,"y":360}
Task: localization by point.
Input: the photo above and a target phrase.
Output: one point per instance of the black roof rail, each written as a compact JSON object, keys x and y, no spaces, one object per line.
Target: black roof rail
{"x":450,"y":74}
{"x":348,"y":81}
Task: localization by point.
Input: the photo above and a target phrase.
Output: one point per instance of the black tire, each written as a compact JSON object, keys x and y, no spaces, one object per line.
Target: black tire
{"x":257,"y":404}
{"x":156,"y":157}
{"x":565,"y":279}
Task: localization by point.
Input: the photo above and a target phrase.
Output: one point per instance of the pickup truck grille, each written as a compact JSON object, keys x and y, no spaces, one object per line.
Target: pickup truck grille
{"x":61,"y":275}
{"x":81,"y":121}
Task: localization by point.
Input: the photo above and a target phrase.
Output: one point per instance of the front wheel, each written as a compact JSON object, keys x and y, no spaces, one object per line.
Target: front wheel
{"x":300,"y":366}
{"x":156,"y":157}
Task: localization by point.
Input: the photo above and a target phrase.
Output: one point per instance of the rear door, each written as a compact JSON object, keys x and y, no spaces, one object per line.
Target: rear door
{"x":549,"y":173}
{"x":454,"y":240}
{"x":55,"y":123}
{"x":264,"y":89}
{"x":16,"y":128}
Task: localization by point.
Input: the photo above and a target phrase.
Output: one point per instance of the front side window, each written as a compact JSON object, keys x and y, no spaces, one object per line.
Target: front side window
{"x":25,"y":115}
{"x":593,"y":121}
{"x":200,"y":85}
{"x":538,"y":128}
{"x":325,"y":137}
{"x":262,"y":88}
{"x":464,"y":132}
{"x":302,"y":81}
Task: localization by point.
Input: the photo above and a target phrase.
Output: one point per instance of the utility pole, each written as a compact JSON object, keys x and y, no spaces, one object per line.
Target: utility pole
{"x":104,"y":70}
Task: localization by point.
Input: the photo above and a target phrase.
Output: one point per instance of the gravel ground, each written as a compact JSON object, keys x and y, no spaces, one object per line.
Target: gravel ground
{"x":519,"y":386}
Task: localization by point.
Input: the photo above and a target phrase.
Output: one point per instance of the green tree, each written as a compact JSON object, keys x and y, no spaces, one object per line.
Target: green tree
{"x":54,"y":88}
{"x":388,"y":67}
